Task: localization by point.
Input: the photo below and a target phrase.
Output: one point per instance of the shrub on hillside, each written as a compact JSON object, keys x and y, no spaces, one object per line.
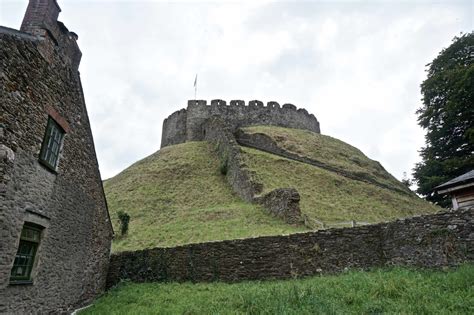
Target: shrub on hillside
{"x":224,"y":166}
{"x":124,"y":219}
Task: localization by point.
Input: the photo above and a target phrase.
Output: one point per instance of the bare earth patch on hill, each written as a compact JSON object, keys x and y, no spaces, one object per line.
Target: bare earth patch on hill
{"x":178,"y":196}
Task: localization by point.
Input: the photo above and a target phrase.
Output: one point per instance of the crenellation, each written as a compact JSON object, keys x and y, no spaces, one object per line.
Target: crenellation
{"x":197,"y":103}
{"x":273,"y":105}
{"x":289,"y":106}
{"x":218,"y":102}
{"x":255,"y":103}
{"x":186,"y":124}
{"x":303,"y":111}
{"x":237,"y":103}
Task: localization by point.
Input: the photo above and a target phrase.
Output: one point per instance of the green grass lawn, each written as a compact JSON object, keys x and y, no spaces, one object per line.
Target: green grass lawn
{"x":392,"y":291}
{"x":178,"y":196}
{"x":329,"y":197}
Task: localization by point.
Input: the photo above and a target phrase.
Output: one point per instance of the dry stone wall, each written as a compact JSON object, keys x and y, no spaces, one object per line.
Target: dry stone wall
{"x":439,"y":240}
{"x":186,"y":124}
{"x":282,"y":203}
{"x":216,"y":131}
{"x":69,"y":203}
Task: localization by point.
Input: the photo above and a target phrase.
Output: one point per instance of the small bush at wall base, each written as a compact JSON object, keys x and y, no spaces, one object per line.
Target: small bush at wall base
{"x":224,"y":166}
{"x":124,"y":219}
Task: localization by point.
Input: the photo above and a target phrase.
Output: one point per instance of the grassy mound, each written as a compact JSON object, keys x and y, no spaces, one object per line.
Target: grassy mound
{"x":394,"y":291}
{"x":330,"y":151}
{"x":177,"y":196}
{"x":329,"y":197}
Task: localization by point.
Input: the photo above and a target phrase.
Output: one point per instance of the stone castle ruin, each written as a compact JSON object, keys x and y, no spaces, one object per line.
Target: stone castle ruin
{"x":187,"y":124}
{"x":437,"y":240}
{"x":55,"y":229}
{"x":219,"y":123}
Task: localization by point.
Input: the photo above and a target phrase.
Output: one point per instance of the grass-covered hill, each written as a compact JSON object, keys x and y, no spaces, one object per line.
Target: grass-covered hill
{"x":178,"y":194}
{"x":326,"y":195}
{"x":329,"y":151}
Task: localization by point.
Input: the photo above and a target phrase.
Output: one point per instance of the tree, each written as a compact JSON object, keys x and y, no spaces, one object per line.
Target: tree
{"x":447,"y":115}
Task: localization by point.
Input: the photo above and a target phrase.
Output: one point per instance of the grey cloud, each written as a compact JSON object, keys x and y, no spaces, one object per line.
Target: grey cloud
{"x":356,"y":65}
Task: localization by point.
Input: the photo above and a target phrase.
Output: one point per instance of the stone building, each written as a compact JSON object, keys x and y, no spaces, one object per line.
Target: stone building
{"x":55,"y":231}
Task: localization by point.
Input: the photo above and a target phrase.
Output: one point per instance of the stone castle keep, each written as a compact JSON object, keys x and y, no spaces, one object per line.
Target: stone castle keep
{"x":55,"y":232}
{"x":220,"y":123}
{"x":187,"y":124}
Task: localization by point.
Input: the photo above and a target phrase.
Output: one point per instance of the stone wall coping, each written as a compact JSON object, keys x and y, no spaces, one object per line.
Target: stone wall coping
{"x":17,"y":33}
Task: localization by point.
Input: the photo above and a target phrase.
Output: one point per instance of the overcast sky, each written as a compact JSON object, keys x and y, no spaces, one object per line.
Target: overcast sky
{"x":356,"y":65}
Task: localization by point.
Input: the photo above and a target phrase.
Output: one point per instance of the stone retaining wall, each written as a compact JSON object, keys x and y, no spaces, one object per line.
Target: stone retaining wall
{"x":282,"y":202}
{"x":443,"y":239}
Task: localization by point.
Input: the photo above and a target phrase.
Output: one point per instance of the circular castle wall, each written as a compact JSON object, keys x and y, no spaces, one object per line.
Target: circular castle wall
{"x":186,"y":124}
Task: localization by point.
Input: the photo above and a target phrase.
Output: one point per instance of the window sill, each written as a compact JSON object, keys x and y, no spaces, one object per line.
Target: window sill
{"x":21,"y":282}
{"x":47,"y":167}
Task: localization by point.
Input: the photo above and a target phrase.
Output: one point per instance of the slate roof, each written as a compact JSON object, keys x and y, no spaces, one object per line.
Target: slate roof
{"x":467,"y":177}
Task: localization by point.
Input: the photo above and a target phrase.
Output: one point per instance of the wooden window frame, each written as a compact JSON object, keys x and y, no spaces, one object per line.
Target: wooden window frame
{"x":28,"y":259}
{"x":52,"y":143}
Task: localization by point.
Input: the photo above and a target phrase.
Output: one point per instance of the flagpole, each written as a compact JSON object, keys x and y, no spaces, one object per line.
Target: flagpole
{"x":195,"y":86}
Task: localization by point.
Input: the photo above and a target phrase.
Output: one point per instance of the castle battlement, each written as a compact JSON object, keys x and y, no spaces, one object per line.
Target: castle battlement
{"x":186,"y":124}
{"x":241,"y":103}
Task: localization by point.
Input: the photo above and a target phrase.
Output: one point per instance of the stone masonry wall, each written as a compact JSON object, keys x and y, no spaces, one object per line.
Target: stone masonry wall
{"x":236,"y":114}
{"x":282,"y":203}
{"x":443,"y":239}
{"x":216,"y":131}
{"x":174,"y":128}
{"x":69,"y":203}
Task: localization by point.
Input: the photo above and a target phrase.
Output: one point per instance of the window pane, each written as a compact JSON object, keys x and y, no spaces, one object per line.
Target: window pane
{"x":51,"y":144}
{"x":24,"y":260}
{"x":30,"y":234}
